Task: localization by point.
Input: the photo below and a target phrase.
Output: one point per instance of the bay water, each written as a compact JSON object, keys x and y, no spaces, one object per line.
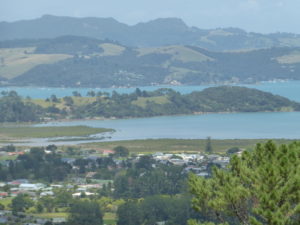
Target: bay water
{"x":218,"y":126}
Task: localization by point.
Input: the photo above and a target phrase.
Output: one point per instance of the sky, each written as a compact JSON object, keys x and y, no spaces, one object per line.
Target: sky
{"x":265,"y":16}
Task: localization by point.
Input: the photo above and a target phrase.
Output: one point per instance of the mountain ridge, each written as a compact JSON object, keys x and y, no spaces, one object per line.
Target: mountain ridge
{"x":154,"y":33}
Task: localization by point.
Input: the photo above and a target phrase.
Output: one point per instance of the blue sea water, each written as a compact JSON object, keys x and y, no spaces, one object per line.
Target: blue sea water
{"x":218,"y":126}
{"x":289,"y":89}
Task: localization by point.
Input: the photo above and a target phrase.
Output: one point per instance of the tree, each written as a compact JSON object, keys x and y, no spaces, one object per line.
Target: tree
{"x":21,"y":203}
{"x":39,"y":207}
{"x":76,"y":94}
{"x":85,"y":213}
{"x":53,"y":98}
{"x":121,"y":151}
{"x":68,"y":100}
{"x":208,"y":146}
{"x":261,"y":187}
{"x":91,"y":94}
{"x":9,"y":148}
{"x":48,"y":203}
{"x":51,"y":148}
{"x":129,"y":214}
{"x":233,"y":150}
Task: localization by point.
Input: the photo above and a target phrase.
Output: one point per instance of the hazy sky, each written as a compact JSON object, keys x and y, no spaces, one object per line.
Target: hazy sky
{"x":252,"y":15}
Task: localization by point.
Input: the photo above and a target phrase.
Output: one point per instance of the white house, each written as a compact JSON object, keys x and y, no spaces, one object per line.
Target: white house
{"x":31,"y":187}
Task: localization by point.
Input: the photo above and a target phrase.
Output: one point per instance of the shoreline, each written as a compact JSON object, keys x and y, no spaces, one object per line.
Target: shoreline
{"x":158,"y":116}
{"x":229,"y":82}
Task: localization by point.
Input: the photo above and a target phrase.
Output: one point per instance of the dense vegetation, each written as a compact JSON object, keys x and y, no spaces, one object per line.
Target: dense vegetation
{"x":170,"y":210}
{"x":169,"y":102}
{"x":261,"y":187}
{"x":14,"y":109}
{"x":144,"y":104}
{"x":143,"y":180}
{"x":159,"y":32}
{"x":36,"y":165}
{"x":69,"y":45}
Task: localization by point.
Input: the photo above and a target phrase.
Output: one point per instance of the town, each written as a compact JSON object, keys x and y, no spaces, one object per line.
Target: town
{"x":89,"y":174}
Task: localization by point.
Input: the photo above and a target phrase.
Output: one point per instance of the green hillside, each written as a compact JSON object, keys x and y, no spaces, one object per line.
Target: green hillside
{"x":79,"y":61}
{"x":16,"y":61}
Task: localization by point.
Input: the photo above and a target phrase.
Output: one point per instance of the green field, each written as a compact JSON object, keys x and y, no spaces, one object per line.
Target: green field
{"x":47,"y":132}
{"x":181,"y":145}
{"x":177,"y":52}
{"x":111,"y":49}
{"x":292,"y":58}
{"x":110,"y":218}
{"x":142,"y":101}
{"x":78,"y":101}
{"x":15,"y":61}
{"x":52,"y":215}
{"x":6,"y":202}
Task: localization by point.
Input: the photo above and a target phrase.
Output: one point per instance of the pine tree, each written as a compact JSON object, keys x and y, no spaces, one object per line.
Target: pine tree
{"x":261,"y":187}
{"x":208,"y":146}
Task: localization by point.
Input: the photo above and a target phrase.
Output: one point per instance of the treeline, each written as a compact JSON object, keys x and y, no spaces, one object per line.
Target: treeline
{"x":146,"y":104}
{"x":72,"y":45}
{"x":169,"y":210}
{"x":36,"y":165}
{"x":141,"y":180}
{"x":14,"y":109}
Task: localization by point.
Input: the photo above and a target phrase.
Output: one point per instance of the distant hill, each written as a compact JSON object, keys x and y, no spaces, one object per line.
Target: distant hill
{"x":143,"y":104}
{"x":159,"y":32}
{"x":80,"y":61}
{"x":169,"y":102}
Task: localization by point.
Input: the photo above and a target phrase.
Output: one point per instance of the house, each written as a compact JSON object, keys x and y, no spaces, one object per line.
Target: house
{"x":3,"y":220}
{"x":16,"y":153}
{"x":56,"y":185}
{"x":178,"y":162}
{"x":79,"y":194}
{"x":107,"y":152}
{"x":68,"y":160}
{"x":203,"y":174}
{"x":59,"y":220}
{"x":46,"y":193}
{"x":3,"y":194}
{"x":31,"y":187}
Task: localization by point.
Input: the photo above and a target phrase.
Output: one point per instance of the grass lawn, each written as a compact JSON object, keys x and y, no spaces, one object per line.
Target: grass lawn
{"x":6,"y":202}
{"x":181,"y":145}
{"x":51,"y":215}
{"x":110,"y":218}
{"x":8,"y":157}
{"x":46,"y":132}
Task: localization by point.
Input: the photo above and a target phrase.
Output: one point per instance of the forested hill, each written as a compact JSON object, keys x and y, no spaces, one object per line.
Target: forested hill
{"x":159,"y":32}
{"x":142,"y":104}
{"x":71,"y":61}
